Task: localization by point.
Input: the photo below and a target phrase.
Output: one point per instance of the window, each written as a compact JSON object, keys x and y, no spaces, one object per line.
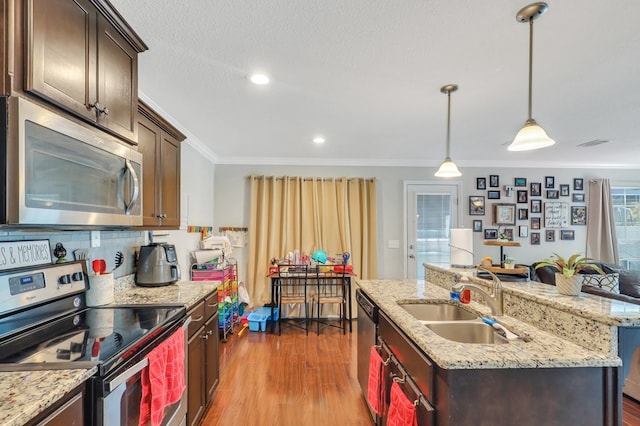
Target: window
{"x":626,"y":212}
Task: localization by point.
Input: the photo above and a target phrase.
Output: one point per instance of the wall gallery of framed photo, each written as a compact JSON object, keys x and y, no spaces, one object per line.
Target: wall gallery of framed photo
{"x":536,"y":211}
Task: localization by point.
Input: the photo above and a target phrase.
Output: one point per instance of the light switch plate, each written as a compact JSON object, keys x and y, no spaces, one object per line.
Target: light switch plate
{"x":95,"y":238}
{"x":394,"y":244}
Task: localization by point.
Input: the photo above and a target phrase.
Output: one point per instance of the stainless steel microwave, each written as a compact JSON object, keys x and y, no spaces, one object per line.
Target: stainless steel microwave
{"x":62,"y":174}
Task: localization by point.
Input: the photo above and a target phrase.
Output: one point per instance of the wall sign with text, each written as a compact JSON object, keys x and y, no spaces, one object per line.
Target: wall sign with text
{"x":556,"y":215}
{"x":18,"y":254}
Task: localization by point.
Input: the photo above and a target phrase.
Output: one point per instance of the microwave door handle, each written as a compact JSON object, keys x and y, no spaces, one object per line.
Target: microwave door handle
{"x":136,"y":187}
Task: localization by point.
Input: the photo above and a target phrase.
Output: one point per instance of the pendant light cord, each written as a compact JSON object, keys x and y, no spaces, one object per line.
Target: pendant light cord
{"x":530,"y":62}
{"x":448,"y":121}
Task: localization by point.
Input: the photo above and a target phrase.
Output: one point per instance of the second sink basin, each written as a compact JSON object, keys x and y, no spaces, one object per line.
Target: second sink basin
{"x":438,"y":312}
{"x":466,"y":332}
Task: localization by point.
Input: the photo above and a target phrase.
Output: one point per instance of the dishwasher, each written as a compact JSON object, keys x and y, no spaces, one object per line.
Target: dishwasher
{"x":367,"y":337}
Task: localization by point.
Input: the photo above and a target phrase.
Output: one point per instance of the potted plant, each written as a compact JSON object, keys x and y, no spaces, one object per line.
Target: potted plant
{"x":509,"y":262}
{"x":567,"y":282}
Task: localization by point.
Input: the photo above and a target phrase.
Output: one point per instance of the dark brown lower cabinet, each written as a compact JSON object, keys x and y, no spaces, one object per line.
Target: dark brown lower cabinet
{"x":510,"y":396}
{"x":69,"y":411}
{"x":203,"y":357}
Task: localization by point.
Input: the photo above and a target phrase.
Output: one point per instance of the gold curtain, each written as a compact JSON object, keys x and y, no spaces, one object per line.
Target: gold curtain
{"x":336,"y":215}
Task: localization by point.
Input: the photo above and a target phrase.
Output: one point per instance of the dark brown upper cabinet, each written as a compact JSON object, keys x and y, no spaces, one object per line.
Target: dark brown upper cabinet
{"x":81,"y":56}
{"x":159,"y":143}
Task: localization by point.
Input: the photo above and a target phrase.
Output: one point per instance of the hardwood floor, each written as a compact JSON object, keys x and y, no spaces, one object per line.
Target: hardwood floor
{"x":630,"y":412}
{"x":293,"y":379}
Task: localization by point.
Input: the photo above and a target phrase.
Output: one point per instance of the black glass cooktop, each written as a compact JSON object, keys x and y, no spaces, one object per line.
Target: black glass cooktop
{"x":103,"y":337}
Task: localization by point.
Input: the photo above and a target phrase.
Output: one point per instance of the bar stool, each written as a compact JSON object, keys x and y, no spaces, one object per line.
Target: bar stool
{"x":331,"y":289}
{"x":291,"y":290}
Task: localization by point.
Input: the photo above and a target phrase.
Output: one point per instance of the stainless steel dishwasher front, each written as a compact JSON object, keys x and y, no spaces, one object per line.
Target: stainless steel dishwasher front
{"x":367,"y":337}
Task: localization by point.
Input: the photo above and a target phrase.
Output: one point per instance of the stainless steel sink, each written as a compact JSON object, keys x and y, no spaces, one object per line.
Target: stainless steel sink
{"x":438,"y":312}
{"x":466,"y":332}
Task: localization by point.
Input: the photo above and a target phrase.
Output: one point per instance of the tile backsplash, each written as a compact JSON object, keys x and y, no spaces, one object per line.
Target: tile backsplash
{"x":128,"y":242}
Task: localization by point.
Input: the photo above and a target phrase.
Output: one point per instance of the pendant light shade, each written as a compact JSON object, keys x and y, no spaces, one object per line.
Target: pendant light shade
{"x":531,"y":136}
{"x":448,"y":168}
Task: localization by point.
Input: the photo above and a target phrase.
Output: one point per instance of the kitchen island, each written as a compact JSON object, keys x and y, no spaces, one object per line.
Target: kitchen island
{"x":28,"y":394}
{"x":547,"y":380}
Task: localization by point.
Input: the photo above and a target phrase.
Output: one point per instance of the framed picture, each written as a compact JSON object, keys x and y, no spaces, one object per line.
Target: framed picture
{"x":553,"y":194}
{"x":490,"y":234}
{"x":536,"y":206}
{"x":535,"y":223}
{"x":549,"y":182}
{"x":493,"y":195}
{"x":522,"y":196}
{"x":536,"y":189}
{"x":477,"y":226}
{"x":520,"y":182}
{"x":577,"y":198}
{"x":549,"y":235}
{"x":504,"y":214}
{"x":508,"y":233}
{"x":535,"y":238}
{"x":556,"y":215}
{"x":567,"y":234}
{"x":578,"y":215}
{"x":523,"y":231}
{"x":476,"y":205}
{"x":481,"y":183}
{"x":494,"y":181}
{"x":564,"y":190}
{"x":523,"y":214}
{"x":578,"y":184}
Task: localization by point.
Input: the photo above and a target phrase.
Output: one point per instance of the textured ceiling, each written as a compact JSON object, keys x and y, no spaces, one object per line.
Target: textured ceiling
{"x":366,"y":74}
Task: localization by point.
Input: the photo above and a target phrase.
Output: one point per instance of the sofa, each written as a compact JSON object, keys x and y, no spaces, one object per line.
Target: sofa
{"x":629,"y":281}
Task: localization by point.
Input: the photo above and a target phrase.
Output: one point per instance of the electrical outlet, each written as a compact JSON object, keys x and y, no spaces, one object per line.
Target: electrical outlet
{"x":95,"y":238}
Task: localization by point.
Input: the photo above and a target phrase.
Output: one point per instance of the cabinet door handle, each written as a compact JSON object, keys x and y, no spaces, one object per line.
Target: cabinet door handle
{"x":105,"y":111}
{"x":198,"y":319}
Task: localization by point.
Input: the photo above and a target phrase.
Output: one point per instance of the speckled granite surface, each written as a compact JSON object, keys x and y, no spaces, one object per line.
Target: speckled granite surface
{"x":546,"y":350}
{"x":183,"y":293}
{"x":24,"y":395}
{"x":588,"y":320}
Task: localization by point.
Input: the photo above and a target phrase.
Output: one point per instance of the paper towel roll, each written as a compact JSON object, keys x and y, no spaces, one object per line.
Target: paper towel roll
{"x":461,"y":244}
{"x":204,"y":256}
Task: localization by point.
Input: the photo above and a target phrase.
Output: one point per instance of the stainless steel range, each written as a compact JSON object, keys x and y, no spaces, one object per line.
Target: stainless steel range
{"x":45,"y":324}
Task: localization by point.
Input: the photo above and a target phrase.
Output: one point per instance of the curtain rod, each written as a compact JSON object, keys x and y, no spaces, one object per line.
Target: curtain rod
{"x":370,"y":179}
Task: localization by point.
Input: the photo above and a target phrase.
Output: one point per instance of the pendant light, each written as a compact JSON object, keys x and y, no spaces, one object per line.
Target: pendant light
{"x":448,"y":168}
{"x":531,"y":136}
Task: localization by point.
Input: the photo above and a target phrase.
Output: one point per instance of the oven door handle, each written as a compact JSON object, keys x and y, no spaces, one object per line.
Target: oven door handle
{"x":118,"y":380}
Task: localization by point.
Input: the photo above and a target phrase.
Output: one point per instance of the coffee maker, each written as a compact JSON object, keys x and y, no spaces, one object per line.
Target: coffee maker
{"x":157,"y":265}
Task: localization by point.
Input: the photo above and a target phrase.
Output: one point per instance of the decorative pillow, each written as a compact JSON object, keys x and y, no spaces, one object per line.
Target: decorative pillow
{"x":608,"y":282}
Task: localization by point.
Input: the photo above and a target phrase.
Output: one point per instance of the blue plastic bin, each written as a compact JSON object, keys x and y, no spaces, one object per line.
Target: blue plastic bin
{"x":258,"y":318}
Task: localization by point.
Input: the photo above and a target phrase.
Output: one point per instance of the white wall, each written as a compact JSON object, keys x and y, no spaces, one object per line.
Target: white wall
{"x":232,"y":203}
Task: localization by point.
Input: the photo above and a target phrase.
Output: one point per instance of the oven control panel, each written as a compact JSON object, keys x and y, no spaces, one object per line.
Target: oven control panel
{"x":28,"y":286}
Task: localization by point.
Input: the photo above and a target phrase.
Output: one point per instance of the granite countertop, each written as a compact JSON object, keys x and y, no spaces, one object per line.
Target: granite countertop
{"x":26,"y":394}
{"x":546,"y":350}
{"x":186,"y":293}
{"x":607,"y":311}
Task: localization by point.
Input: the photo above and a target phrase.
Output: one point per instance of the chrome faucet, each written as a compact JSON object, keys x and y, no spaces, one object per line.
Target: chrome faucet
{"x":494,"y":301}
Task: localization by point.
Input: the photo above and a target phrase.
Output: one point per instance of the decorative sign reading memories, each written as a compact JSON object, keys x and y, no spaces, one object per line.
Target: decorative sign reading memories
{"x":18,"y":254}
{"x":556,"y":215}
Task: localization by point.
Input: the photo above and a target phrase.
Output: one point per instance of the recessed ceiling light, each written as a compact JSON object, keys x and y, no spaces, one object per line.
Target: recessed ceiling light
{"x":318,"y":139}
{"x":259,"y":79}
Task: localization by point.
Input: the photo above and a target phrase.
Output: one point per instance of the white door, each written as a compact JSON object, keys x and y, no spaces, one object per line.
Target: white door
{"x":432,"y":210}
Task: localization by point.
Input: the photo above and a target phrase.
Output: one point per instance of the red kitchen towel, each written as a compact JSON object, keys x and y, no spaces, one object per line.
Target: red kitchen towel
{"x":163,"y":380}
{"x":375,"y":386}
{"x":402,"y":412}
